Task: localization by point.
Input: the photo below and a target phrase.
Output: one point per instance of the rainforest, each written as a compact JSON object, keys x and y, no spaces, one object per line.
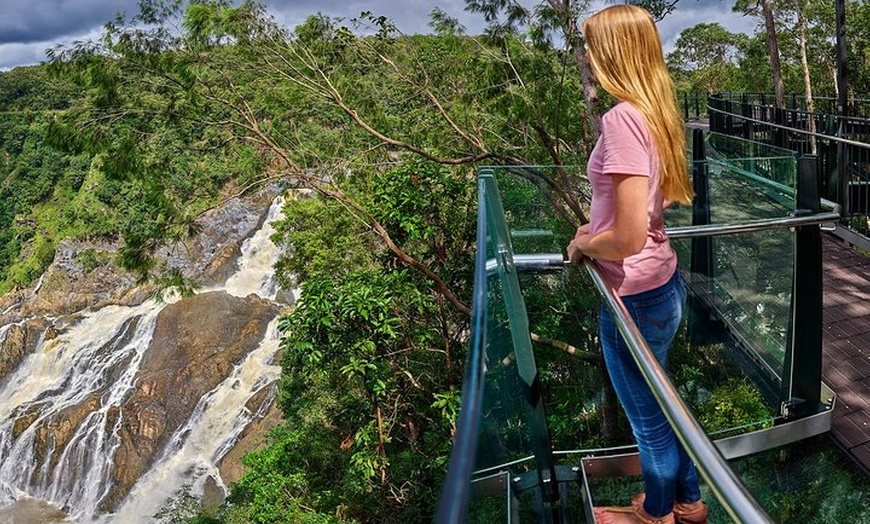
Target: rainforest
{"x":118,"y":152}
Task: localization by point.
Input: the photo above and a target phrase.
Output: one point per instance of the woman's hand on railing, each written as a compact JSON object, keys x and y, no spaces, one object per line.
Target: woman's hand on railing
{"x":574,"y":249}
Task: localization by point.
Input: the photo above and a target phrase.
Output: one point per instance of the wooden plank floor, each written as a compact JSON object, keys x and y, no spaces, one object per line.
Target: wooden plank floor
{"x":846,"y":344}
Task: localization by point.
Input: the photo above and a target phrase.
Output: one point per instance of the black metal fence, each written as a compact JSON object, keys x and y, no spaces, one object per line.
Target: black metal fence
{"x":842,"y":144}
{"x":693,"y":105}
{"x":822,"y":104}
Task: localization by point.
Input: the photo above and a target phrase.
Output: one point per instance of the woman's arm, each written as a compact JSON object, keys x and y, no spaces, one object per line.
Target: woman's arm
{"x":628,"y":234}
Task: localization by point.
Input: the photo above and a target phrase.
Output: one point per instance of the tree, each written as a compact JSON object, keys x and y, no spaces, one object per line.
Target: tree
{"x":858,"y":41}
{"x":386,"y":130}
{"x":369,"y":345}
{"x":549,"y":19}
{"x":707,"y":55}
{"x":764,"y":9}
{"x":242,"y":88}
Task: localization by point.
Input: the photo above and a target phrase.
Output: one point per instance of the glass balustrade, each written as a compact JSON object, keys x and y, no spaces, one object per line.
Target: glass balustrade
{"x":547,"y":427}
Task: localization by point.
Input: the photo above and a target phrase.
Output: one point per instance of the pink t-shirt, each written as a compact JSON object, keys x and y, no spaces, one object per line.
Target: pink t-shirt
{"x":625,"y":147}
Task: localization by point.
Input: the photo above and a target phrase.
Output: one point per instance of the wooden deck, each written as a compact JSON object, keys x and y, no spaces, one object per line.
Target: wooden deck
{"x":846,"y":344}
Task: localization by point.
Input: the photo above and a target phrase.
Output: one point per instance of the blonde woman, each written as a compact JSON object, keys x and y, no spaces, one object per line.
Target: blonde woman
{"x":637,"y":165}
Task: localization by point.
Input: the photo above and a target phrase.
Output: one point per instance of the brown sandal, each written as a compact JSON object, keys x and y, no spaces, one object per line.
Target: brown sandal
{"x":684,"y":512}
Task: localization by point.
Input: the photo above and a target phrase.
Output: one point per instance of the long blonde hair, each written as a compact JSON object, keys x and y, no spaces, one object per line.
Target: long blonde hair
{"x":625,"y":53}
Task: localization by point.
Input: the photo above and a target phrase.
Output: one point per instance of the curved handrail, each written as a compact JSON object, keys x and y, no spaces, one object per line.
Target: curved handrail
{"x":788,"y":128}
{"x":723,"y":482}
{"x":455,"y":493}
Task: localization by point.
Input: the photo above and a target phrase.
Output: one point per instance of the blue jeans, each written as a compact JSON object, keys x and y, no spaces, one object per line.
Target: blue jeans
{"x":669,"y":475}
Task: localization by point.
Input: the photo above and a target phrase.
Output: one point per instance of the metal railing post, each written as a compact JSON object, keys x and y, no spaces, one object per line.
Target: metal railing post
{"x":842,"y":108}
{"x":779,"y":134}
{"x":748,"y":126}
{"x":802,"y":373}
{"x":842,"y":171}
{"x":701,"y":265}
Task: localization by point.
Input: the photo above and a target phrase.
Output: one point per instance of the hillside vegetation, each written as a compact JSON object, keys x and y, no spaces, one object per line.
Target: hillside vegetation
{"x":133,"y":136}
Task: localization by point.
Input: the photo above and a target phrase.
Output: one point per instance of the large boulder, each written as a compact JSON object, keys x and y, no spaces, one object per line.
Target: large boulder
{"x":197,"y":342}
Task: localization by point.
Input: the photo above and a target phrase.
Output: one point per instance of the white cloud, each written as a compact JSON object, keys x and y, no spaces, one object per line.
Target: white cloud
{"x":13,"y":55}
{"x":689,"y":15}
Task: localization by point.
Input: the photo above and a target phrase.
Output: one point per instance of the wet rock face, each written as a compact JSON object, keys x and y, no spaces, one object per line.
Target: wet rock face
{"x":210,"y":258}
{"x":196,"y":343}
{"x":267,"y":416}
{"x":84,"y":274}
{"x":12,"y":349}
{"x":20,"y":341}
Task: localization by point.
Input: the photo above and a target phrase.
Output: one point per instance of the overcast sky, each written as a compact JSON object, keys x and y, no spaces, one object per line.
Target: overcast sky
{"x":29,"y":27}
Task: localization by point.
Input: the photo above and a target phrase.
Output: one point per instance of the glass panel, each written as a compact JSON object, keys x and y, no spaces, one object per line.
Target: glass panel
{"x":747,"y":181}
{"x":540,"y":335}
{"x":749,"y":292}
{"x":747,"y":282}
{"x":536,"y":205}
{"x":810,"y":482}
{"x":513,"y":432}
{"x":749,"y":288}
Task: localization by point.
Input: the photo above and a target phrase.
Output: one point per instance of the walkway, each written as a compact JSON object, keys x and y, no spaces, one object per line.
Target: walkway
{"x":846,"y":344}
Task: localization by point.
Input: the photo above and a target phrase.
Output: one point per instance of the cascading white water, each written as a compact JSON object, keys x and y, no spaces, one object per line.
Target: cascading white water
{"x":96,"y":360}
{"x":199,"y":444}
{"x":255,"y":273}
{"x":221,"y":415}
{"x":97,"y":356}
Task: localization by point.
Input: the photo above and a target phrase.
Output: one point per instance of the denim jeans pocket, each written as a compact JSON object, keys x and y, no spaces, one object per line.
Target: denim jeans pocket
{"x":658,"y":318}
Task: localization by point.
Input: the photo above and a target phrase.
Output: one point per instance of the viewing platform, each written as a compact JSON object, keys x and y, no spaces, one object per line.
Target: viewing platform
{"x":846,"y":345}
{"x":766,"y":385}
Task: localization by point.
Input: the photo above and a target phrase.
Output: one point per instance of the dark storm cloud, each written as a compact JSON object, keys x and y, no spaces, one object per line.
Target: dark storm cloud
{"x":29,"y":27}
{"x":32,"y":21}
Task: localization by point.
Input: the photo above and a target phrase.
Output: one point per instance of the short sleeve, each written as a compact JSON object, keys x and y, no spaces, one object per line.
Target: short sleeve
{"x":626,"y":141}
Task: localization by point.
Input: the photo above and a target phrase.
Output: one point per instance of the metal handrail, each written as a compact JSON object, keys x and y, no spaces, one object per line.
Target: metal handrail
{"x":787,"y":128}
{"x":721,"y":479}
{"x":549,"y":262}
{"x":737,"y":502}
{"x":710,"y":230}
{"x":453,"y":503}
{"x":531,"y":263}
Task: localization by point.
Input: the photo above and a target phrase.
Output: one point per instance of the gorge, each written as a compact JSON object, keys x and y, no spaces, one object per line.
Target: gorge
{"x":112,"y":399}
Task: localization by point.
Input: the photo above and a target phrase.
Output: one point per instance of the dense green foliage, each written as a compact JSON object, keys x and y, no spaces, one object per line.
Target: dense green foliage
{"x":376,"y":137}
{"x":709,"y":58}
{"x":370,"y":349}
{"x":60,"y":182}
{"x":37,"y":179}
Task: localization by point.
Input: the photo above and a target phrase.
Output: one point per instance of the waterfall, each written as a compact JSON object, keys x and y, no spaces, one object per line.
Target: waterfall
{"x":94,"y":363}
{"x":196,"y":447}
{"x":255,"y":274}
{"x":96,"y":358}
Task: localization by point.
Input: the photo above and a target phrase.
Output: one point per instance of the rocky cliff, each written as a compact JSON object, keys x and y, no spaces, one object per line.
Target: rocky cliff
{"x":196,"y":343}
